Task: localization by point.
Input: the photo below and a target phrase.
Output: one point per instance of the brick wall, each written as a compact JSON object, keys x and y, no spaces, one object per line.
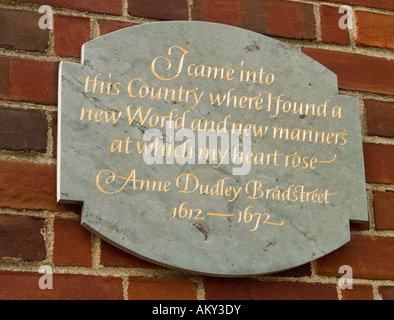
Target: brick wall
{"x":36,"y":231}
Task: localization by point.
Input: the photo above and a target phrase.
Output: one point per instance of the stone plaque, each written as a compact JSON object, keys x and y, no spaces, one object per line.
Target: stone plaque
{"x":209,"y":148}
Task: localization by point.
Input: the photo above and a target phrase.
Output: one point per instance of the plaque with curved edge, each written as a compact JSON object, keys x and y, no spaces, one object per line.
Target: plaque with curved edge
{"x":209,"y":148}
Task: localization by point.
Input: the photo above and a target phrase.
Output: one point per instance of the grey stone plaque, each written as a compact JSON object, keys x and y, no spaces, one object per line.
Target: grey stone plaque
{"x":209,"y":148}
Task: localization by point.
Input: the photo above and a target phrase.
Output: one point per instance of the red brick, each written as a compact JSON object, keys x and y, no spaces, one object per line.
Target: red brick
{"x":301,"y":271}
{"x":383,"y":205}
{"x":28,"y":80}
{"x":25,"y":185}
{"x":384,"y":4}
{"x":23,"y":130}
{"x":70,"y":33}
{"x":234,"y":289}
{"x":387,"y":293}
{"x":359,"y":292}
{"x":72,"y":245}
{"x":374,"y":29}
{"x":34,"y":81}
{"x":20,"y":31}
{"x":369,"y":258}
{"x":329,"y":24}
{"x":271,"y":17}
{"x":150,"y":288}
{"x":378,"y":160}
{"x":159,"y":9}
{"x":21,"y":237}
{"x":5,"y":78}
{"x":107,"y":26}
{"x":220,"y":11}
{"x":380,"y":118}
{"x":100,"y":6}
{"x":114,"y":257}
{"x":357,"y":71}
{"x":283,"y":19}
{"x":24,"y":286}
{"x":359,"y":226}
{"x":54,"y":133}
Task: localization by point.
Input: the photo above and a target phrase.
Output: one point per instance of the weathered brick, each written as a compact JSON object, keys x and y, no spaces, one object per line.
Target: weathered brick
{"x":20,"y":31}
{"x":70,"y":33}
{"x":387,"y":292}
{"x":21,"y":237}
{"x":374,"y":29}
{"x":300,"y":271}
{"x":28,"y":80}
{"x":54,"y":133}
{"x":114,"y":257}
{"x":25,"y":185}
{"x":150,"y":288}
{"x":72,"y":243}
{"x":329,"y":24}
{"x":384,"y":4}
{"x":4,"y":78}
{"x":220,"y":11}
{"x":271,"y":17}
{"x":357,"y":71}
{"x":383,"y":205}
{"x":34,"y":81}
{"x":107,"y":26}
{"x":380,"y":117}
{"x":159,"y":9}
{"x":358,"y":292}
{"x":378,"y":161}
{"x":359,"y":226}
{"x":23,"y":130}
{"x":24,"y":286}
{"x":100,"y":6}
{"x":369,"y":257}
{"x":234,"y":289}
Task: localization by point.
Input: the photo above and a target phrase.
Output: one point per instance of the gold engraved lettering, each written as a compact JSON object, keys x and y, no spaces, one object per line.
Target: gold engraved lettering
{"x":309,"y":135}
{"x":83,"y":112}
{"x":166,"y":60}
{"x":136,"y":184}
{"x":254,"y":189}
{"x":327,"y":161}
{"x":189,"y":183}
{"x":109,"y":85}
{"x":97,"y":115}
{"x":247,"y":216}
{"x":112,"y":115}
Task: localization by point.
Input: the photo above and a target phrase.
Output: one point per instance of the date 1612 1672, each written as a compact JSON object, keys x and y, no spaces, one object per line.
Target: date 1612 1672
{"x":246,"y":216}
